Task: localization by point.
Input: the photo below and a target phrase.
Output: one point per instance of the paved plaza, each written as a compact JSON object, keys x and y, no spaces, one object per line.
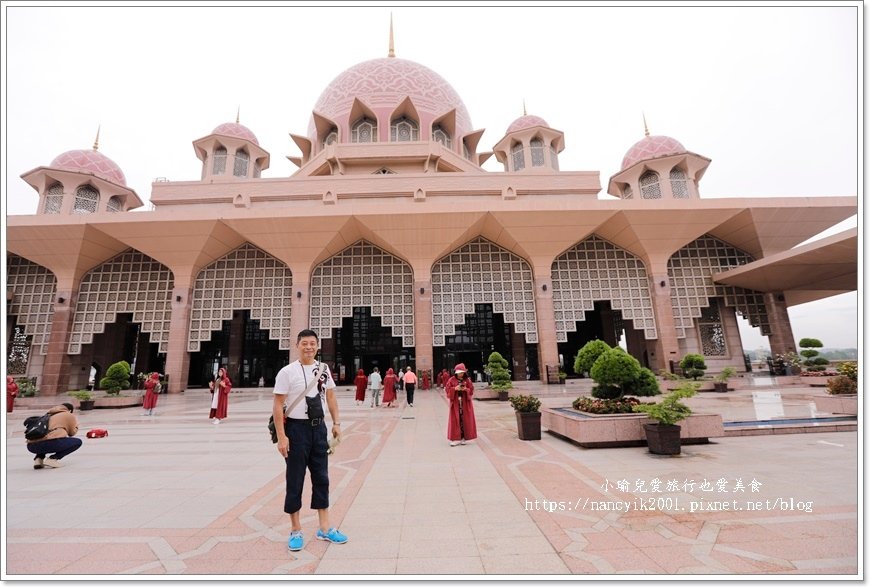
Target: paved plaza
{"x":173,"y":494}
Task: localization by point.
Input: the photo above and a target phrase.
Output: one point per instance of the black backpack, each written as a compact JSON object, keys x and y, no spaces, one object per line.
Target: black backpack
{"x":35,"y":427}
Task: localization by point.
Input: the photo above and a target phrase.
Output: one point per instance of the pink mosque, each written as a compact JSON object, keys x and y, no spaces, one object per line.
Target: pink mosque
{"x":395,"y":245}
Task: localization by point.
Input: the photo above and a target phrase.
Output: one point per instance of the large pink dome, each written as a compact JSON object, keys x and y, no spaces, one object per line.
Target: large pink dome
{"x":384,"y":83}
{"x":651,"y":148}
{"x":526,"y":121}
{"x":90,"y":161}
{"x":234,"y":129}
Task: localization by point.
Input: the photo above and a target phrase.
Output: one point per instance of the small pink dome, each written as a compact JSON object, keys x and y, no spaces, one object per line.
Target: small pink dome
{"x":527,"y":121}
{"x":90,"y":161}
{"x":384,"y":83}
{"x":652,"y":148}
{"x":234,"y":129}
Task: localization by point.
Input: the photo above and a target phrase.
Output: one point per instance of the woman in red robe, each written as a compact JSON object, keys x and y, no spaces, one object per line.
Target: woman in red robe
{"x":426,"y":383}
{"x":11,"y":393}
{"x":389,"y":389}
{"x":220,"y":399}
{"x":461,"y":425}
{"x":152,"y":388}
{"x":361,"y":382}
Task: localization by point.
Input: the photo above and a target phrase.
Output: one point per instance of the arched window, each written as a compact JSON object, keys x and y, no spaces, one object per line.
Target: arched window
{"x":679,"y":185}
{"x":649,"y":186}
{"x":403,"y":130}
{"x":439,"y":135}
{"x":240,"y":167}
{"x":219,"y":166}
{"x":87,"y":200}
{"x":365,"y":130}
{"x":554,"y":158}
{"x":626,"y":192}
{"x":517,"y":156}
{"x":465,"y":152}
{"x":53,"y":199}
{"x":331,"y":137}
{"x":537,"y":146}
{"x":257,"y":168}
{"x":114,"y":204}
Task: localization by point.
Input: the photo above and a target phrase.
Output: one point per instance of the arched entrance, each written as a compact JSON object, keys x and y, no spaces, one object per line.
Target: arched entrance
{"x":364,"y":343}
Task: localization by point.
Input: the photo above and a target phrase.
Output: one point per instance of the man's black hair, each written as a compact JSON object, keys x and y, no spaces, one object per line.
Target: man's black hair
{"x":305,"y":333}
{"x":68,"y":406}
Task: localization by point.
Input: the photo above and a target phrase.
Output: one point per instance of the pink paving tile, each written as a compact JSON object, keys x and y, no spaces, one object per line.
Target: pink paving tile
{"x":49,"y":550}
{"x":610,"y":539}
{"x":185,"y":544}
{"x":814,"y":529}
{"x":645,"y":538}
{"x":632,"y":559}
{"x":101,"y":567}
{"x":747,"y":533}
{"x":17,"y":566}
{"x":673,"y":558}
{"x":255,"y":566}
{"x":687,"y":529}
{"x":224,"y":551}
{"x":744,"y":565}
{"x":805,"y":548}
{"x":307,"y":569}
{"x":577,"y":566}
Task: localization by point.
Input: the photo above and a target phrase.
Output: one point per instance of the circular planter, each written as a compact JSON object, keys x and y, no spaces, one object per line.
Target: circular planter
{"x":87,"y":404}
{"x":720,"y":387}
{"x":663,"y":439}
{"x":529,"y":425}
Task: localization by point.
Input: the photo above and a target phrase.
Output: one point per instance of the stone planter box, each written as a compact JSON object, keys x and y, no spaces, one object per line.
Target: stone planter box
{"x":612,"y":430}
{"x":668,"y":385}
{"x":837,"y":404}
{"x":815,"y":381}
{"x":485,"y":394}
{"x":118,"y":402}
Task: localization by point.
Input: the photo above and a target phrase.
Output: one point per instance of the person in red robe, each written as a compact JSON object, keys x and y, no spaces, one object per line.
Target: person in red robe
{"x":389,"y":389}
{"x":426,"y":382}
{"x":461,"y":425}
{"x":443,"y":377}
{"x":152,"y":388}
{"x":11,"y":393}
{"x":222,"y":385}
{"x":361,"y":382}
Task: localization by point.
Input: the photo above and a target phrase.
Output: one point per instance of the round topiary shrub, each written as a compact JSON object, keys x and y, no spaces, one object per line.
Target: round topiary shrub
{"x":645,"y":385}
{"x":693,"y":366}
{"x":117,"y":378}
{"x":613,"y":370}
{"x":587,"y":355}
{"x":498,"y":371}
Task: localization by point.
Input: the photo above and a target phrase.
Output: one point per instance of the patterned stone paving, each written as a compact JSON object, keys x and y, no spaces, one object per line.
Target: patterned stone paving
{"x":173,"y":494}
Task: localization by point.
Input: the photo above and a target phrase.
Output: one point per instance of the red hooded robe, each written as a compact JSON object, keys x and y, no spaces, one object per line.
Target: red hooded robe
{"x":389,"y":387}
{"x":361,"y":382}
{"x":469,"y":424}
{"x":151,"y":392}
{"x":223,"y":392}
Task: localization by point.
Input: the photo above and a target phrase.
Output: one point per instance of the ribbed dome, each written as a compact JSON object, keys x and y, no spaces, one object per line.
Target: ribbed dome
{"x":90,"y":161}
{"x":234,"y":129}
{"x":526,"y":121}
{"x":651,"y":148}
{"x":383,"y":84}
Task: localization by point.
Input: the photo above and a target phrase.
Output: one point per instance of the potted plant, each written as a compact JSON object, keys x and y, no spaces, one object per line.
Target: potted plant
{"x":693,"y":366}
{"x":501,"y":377}
{"x":562,"y":377}
{"x":663,"y":437}
{"x":86,"y":400}
{"x":528,"y":410}
{"x":117,"y":378}
{"x":721,"y":380}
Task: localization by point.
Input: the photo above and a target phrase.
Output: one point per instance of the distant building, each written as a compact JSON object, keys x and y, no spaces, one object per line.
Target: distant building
{"x":398,"y":248}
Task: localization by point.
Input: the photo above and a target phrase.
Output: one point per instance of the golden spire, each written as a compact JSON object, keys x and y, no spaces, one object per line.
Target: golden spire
{"x":97,"y":140}
{"x":239,"y":109}
{"x":392,"y":52}
{"x":524,"y":107}
{"x":645,"y":129}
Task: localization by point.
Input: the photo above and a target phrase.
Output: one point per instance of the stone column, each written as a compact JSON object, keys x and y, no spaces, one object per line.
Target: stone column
{"x":423,"y":319}
{"x":666,"y":347}
{"x":781,"y":336}
{"x":55,"y":373}
{"x":177,"y":355}
{"x":548,"y":349}
{"x":301,"y":306}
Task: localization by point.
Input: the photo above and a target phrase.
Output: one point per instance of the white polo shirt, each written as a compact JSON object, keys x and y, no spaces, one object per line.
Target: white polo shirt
{"x":294,"y":378}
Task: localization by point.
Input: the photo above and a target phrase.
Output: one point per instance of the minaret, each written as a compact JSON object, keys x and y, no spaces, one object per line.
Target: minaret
{"x":97,"y":140}
{"x":392,"y":52}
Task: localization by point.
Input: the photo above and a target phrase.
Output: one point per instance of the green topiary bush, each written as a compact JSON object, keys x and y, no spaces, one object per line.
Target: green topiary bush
{"x":117,"y":378}
{"x":498,"y":370}
{"x":812,"y":360}
{"x":587,"y":356}
{"x":611,"y":371}
{"x":645,"y":385}
{"x":670,"y":410}
{"x":693,"y":366}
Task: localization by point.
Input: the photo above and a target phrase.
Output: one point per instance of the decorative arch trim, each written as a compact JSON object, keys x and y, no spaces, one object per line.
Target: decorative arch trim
{"x":34,"y":289}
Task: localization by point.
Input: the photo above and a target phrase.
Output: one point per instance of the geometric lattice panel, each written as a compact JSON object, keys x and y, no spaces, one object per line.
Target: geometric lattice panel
{"x":481,"y":272}
{"x":363,"y":275}
{"x":33,"y":293}
{"x":127,"y":283}
{"x":593,"y":270}
{"x":246,"y":278}
{"x":690,"y":270}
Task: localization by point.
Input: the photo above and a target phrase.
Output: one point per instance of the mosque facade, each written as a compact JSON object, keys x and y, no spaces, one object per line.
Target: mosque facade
{"x":394,"y":244}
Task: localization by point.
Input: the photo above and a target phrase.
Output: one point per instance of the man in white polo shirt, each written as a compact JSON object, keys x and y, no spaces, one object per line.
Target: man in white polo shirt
{"x":302,"y":440}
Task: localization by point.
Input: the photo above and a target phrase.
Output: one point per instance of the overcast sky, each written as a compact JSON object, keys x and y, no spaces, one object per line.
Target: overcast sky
{"x":769,"y":94}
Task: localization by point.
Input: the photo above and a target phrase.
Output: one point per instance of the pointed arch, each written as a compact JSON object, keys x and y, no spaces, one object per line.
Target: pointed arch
{"x":34,"y":289}
{"x":363,"y":275}
{"x":246,"y":278}
{"x":481,"y":272}
{"x":130,"y":282}
{"x":595,"y":270}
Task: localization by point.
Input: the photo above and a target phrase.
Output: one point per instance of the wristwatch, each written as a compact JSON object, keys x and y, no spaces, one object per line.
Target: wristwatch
{"x":336,"y":423}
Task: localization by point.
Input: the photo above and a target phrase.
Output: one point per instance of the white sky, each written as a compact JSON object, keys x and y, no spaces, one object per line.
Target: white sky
{"x":771,"y":95}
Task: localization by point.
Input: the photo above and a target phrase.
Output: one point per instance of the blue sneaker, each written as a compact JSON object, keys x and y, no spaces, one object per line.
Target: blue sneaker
{"x":333,"y":536}
{"x":296,"y":541}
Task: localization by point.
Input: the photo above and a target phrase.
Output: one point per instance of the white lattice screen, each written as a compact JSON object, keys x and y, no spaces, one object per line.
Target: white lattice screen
{"x":244,"y":279}
{"x":689,"y":271}
{"x":33,"y":290}
{"x":128,"y":283}
{"x":593,"y":270}
{"x":363,"y":275}
{"x":481,"y":272}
